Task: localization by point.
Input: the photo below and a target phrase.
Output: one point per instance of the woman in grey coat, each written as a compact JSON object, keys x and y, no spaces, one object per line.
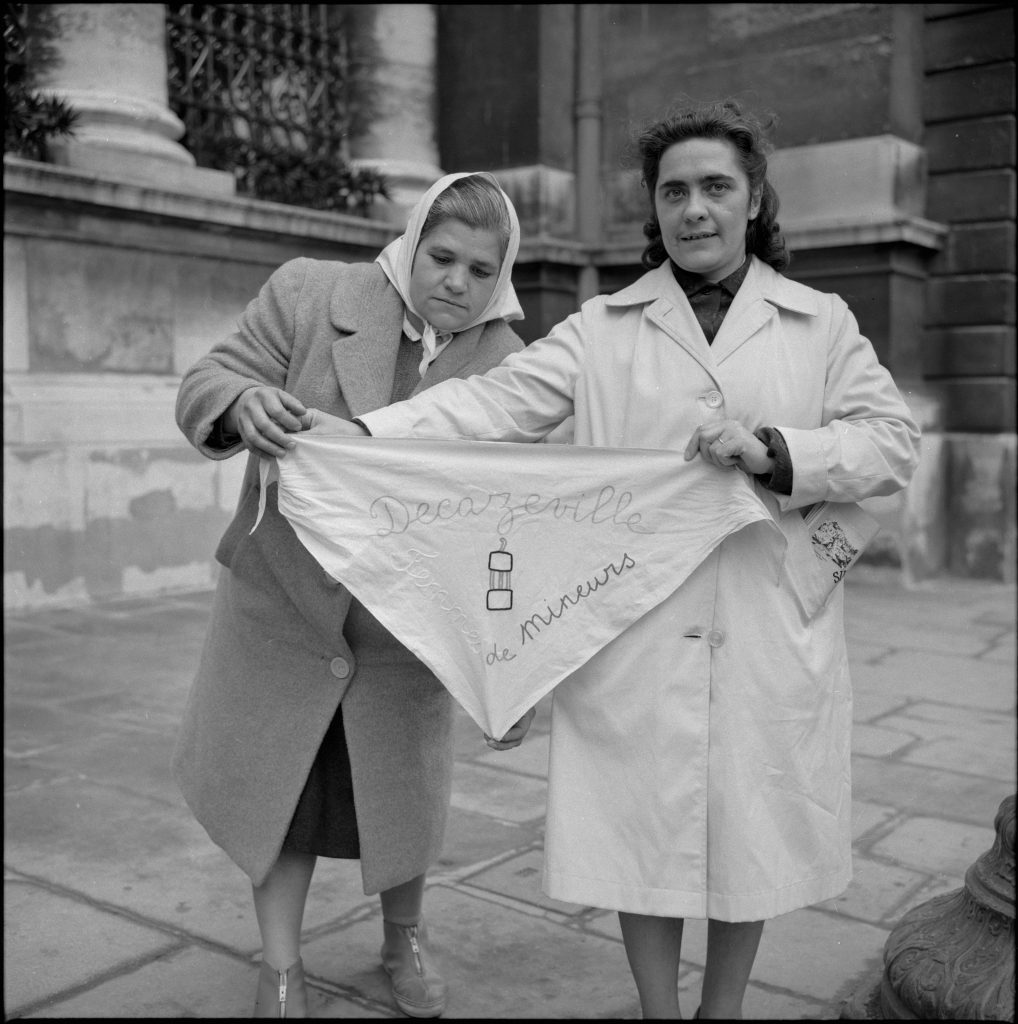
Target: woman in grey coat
{"x":310,"y":730}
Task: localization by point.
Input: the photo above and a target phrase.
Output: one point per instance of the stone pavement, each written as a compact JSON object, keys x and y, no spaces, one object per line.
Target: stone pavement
{"x":116,"y":903}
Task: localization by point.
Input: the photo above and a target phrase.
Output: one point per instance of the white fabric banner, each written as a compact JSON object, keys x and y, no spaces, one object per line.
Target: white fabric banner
{"x":504,"y":567}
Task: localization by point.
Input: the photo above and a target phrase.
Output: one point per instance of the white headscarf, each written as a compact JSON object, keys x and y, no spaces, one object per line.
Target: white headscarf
{"x":397,"y":260}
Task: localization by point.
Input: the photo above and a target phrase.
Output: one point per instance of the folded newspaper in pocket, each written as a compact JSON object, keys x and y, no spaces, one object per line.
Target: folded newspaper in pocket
{"x":837,"y":534}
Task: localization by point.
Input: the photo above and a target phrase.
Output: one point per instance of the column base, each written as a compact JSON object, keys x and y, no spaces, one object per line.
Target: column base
{"x":136,"y":167}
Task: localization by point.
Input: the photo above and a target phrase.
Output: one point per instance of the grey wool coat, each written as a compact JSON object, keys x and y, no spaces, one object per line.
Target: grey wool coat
{"x":275,"y":665}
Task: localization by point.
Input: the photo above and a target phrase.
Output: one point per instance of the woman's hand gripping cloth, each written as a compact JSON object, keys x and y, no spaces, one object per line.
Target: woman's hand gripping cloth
{"x":504,"y":567}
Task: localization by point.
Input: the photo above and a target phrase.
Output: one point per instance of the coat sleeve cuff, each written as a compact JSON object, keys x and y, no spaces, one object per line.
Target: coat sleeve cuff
{"x":219,"y":440}
{"x":779,"y":479}
{"x":389,"y":421}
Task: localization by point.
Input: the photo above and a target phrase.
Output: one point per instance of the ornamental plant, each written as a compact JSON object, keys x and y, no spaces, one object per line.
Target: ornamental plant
{"x":31,"y":119}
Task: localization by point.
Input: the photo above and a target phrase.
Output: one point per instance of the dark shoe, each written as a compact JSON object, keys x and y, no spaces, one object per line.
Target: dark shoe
{"x":281,"y":993}
{"x":417,"y":986}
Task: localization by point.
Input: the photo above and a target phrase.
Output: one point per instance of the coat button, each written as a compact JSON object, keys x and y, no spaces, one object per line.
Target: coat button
{"x":331,"y":581}
{"x":713,"y":399}
{"x":715,"y":638}
{"x":339,"y":667}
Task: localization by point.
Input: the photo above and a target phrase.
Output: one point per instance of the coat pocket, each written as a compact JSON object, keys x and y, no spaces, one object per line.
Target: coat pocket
{"x":824,"y":541}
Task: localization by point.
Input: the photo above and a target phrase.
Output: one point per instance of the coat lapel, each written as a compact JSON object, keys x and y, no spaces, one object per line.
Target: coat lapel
{"x":669,"y":310}
{"x":369,"y":317}
{"x":748,"y":313}
{"x":675,"y":317}
{"x":458,"y":359}
{"x":762,"y":293}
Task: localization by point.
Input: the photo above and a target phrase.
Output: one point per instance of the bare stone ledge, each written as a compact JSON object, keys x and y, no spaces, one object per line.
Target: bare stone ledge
{"x":215,"y":212}
{"x":47,"y":409}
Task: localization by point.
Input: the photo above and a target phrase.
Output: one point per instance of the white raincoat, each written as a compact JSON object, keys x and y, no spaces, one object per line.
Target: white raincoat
{"x":700,"y":763}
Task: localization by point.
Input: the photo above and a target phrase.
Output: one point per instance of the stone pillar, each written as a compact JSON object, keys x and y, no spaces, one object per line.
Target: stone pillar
{"x":110,"y":66}
{"x":953,"y":957}
{"x":401,"y":142}
{"x":589,"y":119}
{"x":522,"y":126}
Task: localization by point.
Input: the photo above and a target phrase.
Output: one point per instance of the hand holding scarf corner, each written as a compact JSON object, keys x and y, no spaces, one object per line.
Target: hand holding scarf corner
{"x":504,"y":567}
{"x":334,"y":426}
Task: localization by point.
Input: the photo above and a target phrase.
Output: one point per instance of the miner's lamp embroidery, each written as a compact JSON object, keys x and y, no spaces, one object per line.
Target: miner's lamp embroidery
{"x":500,"y":567}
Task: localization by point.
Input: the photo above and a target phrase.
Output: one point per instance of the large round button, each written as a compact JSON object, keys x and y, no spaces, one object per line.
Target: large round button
{"x":715,"y":638}
{"x":339,"y":667}
{"x":713,"y":399}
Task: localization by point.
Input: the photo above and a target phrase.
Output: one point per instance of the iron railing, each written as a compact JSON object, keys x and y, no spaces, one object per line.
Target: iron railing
{"x":270,"y":92}
{"x":15,"y":41}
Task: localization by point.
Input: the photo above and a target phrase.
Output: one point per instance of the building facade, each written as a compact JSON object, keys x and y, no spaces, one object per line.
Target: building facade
{"x":124,"y":260}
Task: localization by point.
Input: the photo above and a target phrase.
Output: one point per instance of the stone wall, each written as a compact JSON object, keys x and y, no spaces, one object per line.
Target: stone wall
{"x":970,"y":142}
{"x":111,"y":291}
{"x":969,"y":343}
{"x":895,"y":167}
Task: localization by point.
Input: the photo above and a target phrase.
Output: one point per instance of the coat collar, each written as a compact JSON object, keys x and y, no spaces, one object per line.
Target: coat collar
{"x":763,"y":281}
{"x":368,"y":313}
{"x":763,"y":292}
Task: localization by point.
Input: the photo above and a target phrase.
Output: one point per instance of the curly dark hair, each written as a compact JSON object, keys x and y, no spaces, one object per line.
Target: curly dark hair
{"x":722,"y":119}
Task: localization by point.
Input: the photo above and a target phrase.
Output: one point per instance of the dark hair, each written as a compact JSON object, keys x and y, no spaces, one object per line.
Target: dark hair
{"x":724,"y":120}
{"x":477,"y":202}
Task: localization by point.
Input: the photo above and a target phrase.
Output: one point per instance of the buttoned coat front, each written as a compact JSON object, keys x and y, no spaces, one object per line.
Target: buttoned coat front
{"x":700,"y":763}
{"x":275,"y":664}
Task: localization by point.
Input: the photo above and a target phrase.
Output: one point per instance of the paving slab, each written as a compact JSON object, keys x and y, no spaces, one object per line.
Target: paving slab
{"x":164,"y":869}
{"x":949,"y":678}
{"x":134,"y":760}
{"x":501,"y":794}
{"x":55,"y":943}
{"x":1002,"y":652}
{"x":519,"y":878}
{"x":497,"y":959}
{"x":872,"y":703}
{"x":112,"y":884}
{"x":935,"y":846}
{"x":473,"y":838}
{"x":878,"y":891}
{"x":867,"y":817}
{"x":993,"y":758}
{"x":970,"y":799}
{"x":813,"y":953}
{"x":880,"y":740}
{"x":187,"y":983}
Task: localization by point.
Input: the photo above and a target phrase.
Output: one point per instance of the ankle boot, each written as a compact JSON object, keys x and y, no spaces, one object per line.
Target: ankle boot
{"x":417,"y":986}
{"x":281,"y":993}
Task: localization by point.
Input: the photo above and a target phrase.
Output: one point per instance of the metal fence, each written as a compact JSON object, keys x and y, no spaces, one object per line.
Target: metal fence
{"x":268,"y":91}
{"x":15,"y":23}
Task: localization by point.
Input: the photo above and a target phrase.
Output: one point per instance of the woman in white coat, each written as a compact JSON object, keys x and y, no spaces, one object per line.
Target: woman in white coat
{"x":700,"y":763}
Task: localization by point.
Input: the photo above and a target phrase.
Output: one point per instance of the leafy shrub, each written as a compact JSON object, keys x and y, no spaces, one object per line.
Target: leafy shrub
{"x":273,"y":93}
{"x":280,"y":174}
{"x":30,"y":119}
